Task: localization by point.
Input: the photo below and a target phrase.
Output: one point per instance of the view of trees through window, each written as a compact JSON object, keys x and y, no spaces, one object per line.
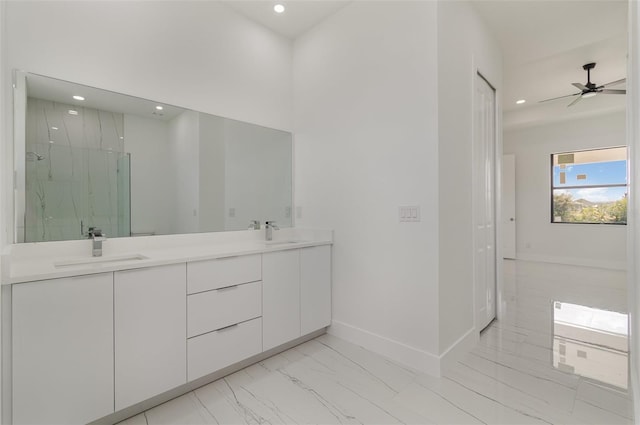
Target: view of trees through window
{"x":589,"y":186}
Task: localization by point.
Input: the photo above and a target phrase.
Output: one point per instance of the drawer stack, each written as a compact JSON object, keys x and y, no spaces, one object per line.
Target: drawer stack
{"x":224,"y":313}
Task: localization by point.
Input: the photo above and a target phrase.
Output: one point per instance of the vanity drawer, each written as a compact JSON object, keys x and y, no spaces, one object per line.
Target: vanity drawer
{"x":221,"y":272}
{"x":211,"y":310}
{"x":213,"y":351}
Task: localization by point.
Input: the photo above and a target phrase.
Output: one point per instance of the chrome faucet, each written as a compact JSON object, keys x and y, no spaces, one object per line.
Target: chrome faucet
{"x":254,"y":225}
{"x":97,"y":237}
{"x":269,"y":227}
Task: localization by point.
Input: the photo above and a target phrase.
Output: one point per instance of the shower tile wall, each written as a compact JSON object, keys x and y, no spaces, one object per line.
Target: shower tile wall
{"x":77,"y":174}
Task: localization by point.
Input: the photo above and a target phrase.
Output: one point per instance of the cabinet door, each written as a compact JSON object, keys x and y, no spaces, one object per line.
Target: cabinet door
{"x":63,"y":350}
{"x":315,"y":288}
{"x":280,"y":297}
{"x":150,"y":332}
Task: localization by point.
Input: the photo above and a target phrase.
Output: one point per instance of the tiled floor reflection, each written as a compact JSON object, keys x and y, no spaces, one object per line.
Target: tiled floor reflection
{"x":511,"y":377}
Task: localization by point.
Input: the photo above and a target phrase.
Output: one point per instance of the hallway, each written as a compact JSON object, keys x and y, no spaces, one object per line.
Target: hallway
{"x":509,"y":378}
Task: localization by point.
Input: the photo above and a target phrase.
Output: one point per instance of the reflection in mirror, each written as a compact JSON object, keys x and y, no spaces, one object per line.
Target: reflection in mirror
{"x":131,"y":166}
{"x":591,"y":342}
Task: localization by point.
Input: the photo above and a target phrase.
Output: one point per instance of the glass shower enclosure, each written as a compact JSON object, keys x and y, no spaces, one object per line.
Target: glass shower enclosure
{"x":71,"y":168}
{"x":69,"y":189}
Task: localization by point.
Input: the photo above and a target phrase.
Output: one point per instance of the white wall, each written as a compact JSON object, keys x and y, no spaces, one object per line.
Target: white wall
{"x":6,"y":144}
{"x":4,"y":168}
{"x":465,"y":47}
{"x":365,"y":96}
{"x":199,"y":55}
{"x":147,"y":140}
{"x":633,"y":140}
{"x":537,"y":238}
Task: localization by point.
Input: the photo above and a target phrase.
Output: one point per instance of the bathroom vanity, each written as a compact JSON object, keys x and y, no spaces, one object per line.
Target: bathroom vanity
{"x":102,"y":339}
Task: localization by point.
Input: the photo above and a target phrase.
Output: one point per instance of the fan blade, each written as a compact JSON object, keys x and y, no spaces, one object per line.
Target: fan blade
{"x":612,"y":91}
{"x":578,"y":99}
{"x":613,"y":83}
{"x":580,"y":86}
{"x":561,"y":97}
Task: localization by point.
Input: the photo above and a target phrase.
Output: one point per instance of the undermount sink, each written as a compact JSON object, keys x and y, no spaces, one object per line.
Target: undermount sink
{"x":99,"y":260}
{"x":272,"y":243}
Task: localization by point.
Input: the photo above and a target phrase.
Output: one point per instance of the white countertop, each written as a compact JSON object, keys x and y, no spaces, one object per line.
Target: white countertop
{"x":25,"y":268}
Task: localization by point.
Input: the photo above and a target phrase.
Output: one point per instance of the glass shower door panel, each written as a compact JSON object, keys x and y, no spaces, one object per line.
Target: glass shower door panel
{"x":69,"y":189}
{"x":54,"y":192}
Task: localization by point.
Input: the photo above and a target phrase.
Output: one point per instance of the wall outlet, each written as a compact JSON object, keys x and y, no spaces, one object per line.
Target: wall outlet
{"x":287,"y":212}
{"x":232,"y":212}
{"x":409,"y":214}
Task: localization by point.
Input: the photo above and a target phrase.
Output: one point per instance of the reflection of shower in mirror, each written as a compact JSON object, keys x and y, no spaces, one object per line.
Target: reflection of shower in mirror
{"x":34,"y":156}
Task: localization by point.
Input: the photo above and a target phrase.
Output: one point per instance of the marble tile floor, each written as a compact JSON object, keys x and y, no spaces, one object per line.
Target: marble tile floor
{"x":508,"y":378}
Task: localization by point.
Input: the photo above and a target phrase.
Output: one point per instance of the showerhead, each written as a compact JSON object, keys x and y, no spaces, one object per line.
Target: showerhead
{"x":34,"y":156}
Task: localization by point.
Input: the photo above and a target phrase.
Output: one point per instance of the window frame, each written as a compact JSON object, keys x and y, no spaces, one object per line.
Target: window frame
{"x":551,"y":216}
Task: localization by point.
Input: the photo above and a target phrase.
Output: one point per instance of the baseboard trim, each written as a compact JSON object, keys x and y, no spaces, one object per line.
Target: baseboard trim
{"x":415,"y":358}
{"x":586,"y":262}
{"x":635,"y":393}
{"x":459,"y":348}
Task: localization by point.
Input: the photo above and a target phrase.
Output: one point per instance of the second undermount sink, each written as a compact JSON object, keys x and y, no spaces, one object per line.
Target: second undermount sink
{"x":99,"y":260}
{"x":285,"y":242}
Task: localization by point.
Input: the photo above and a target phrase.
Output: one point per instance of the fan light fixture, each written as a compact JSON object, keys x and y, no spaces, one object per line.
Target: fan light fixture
{"x":588,"y":95}
{"x":520,"y":102}
{"x":278,"y":8}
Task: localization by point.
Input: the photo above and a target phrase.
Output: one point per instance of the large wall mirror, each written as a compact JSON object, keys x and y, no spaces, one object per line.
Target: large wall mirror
{"x":87,"y":157}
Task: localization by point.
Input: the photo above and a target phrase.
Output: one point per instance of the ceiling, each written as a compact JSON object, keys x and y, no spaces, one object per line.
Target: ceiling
{"x":298,"y":17}
{"x":544,"y":45}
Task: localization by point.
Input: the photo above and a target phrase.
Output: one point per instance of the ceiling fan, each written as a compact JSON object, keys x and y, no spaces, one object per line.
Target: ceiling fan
{"x":590,"y":89}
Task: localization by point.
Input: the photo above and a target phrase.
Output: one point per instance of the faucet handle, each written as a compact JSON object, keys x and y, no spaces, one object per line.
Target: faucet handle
{"x":96,"y":234}
{"x":271,"y":224}
{"x":255,"y":225}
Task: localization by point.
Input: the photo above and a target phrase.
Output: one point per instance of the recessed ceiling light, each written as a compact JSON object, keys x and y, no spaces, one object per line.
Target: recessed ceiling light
{"x":76,"y":97}
{"x":73,"y":112}
{"x":159,"y":108}
{"x":54,"y":128}
{"x":588,"y":95}
{"x":121,"y":137}
{"x":278,"y":8}
{"x":51,"y":141}
{"x":520,"y":102}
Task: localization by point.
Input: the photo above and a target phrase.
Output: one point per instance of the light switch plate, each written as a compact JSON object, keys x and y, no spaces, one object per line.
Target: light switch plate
{"x":409,"y":214}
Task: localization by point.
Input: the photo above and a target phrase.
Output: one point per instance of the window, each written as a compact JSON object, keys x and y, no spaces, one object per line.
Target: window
{"x":589,"y":186}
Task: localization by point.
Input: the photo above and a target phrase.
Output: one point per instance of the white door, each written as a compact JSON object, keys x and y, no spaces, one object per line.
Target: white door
{"x":509,"y":206}
{"x":484,"y":202}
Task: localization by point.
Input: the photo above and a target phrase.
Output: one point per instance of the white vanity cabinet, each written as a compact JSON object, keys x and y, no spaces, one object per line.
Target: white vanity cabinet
{"x":150,"y":332}
{"x":84,"y":347}
{"x":224,"y":309}
{"x":296,"y":294}
{"x":62,"y":350}
{"x":315,"y":288}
